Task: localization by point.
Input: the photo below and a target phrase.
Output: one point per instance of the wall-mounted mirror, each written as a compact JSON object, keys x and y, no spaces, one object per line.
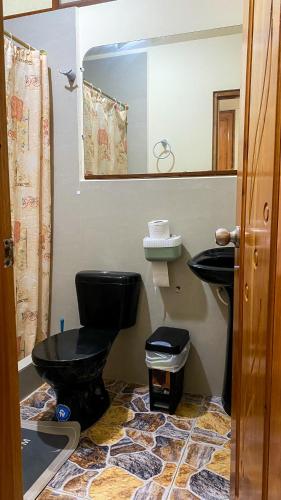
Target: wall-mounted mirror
{"x":148,"y":105}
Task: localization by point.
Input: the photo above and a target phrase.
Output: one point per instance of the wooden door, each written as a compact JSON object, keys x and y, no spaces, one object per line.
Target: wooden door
{"x":226,"y":131}
{"x":255,"y":288}
{"x":10,"y":459}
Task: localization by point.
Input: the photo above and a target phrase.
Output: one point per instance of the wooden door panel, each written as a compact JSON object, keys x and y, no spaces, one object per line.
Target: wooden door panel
{"x":258,"y":192}
{"x":257,"y":249}
{"x":226,"y":130}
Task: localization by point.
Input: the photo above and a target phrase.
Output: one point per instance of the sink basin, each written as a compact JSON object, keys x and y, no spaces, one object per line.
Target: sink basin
{"x":215,"y":266}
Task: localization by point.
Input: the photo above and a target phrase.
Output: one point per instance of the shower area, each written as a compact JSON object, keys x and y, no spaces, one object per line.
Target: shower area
{"x":28,"y":128}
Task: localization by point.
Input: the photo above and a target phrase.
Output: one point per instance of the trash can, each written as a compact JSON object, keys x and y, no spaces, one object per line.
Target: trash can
{"x":166,"y":354}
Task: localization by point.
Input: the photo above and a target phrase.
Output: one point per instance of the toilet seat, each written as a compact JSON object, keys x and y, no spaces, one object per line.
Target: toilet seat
{"x":79,"y":347}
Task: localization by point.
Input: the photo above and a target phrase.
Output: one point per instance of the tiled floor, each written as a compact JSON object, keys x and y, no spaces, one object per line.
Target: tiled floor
{"x":132,"y":453}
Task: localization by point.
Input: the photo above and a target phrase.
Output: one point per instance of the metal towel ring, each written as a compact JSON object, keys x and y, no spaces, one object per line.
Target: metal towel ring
{"x":165,"y":145}
{"x":171,"y":167}
{"x":166,"y":153}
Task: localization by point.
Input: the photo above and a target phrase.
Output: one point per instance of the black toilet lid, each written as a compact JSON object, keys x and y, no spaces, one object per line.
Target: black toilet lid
{"x":80,"y":345}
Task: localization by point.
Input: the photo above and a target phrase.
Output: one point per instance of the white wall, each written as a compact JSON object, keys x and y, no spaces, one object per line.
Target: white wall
{"x":126,"y":20}
{"x":102,"y":228}
{"x":182,"y":79}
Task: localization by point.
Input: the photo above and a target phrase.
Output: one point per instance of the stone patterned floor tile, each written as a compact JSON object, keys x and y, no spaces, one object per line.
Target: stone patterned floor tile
{"x":188,"y":409}
{"x":114,"y":483}
{"x":134,"y":454}
{"x":150,"y":491}
{"x":47,"y":413}
{"x":123,"y":399}
{"x":109,"y":429}
{"x":205,"y":436}
{"x":185,"y":424}
{"x":138,"y":404}
{"x":209,"y":486}
{"x":49,"y":494}
{"x":220,"y":462}
{"x":37,"y":400}
{"x":148,"y":422}
{"x":136,"y":389}
{"x":72,"y":479}
{"x":167,"y":475}
{"x":168,"y":449}
{"x":214,"y":404}
{"x":198,"y":454}
{"x":182,"y":494}
{"x":79,"y":485}
{"x":183,"y":474}
{"x":68,"y":470}
{"x":89,"y":455}
{"x":214,"y":421}
{"x":126,"y":445}
{"x":27,"y":413}
{"x":169,"y":430}
{"x":144,"y":464}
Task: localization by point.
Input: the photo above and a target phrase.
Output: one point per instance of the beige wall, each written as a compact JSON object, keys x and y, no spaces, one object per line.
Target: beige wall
{"x":11,"y":7}
{"x":102,"y":228}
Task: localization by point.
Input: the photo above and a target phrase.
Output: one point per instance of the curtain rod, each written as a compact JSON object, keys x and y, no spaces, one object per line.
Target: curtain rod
{"x":104,"y":94}
{"x":18,"y":40}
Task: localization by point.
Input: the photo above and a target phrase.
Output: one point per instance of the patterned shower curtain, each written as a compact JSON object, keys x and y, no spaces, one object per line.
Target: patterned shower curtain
{"x":105,"y":135}
{"x":27,"y":90}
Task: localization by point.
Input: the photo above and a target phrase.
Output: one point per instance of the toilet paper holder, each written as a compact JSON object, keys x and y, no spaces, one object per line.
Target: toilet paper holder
{"x":162,"y":249}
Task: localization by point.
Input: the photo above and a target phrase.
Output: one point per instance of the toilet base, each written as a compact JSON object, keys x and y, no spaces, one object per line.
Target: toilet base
{"x":86,"y":401}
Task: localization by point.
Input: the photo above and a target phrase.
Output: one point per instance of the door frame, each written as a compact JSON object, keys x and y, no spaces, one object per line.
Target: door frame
{"x":219,"y":95}
{"x":10,"y":450}
{"x":10,"y":454}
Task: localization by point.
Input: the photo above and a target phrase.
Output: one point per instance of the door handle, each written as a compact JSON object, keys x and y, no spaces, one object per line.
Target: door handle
{"x":224,"y":237}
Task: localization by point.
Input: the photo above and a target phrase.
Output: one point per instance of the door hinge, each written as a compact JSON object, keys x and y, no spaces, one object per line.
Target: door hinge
{"x":8,"y":252}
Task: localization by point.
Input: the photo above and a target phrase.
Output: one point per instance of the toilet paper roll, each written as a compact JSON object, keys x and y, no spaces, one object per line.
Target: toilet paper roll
{"x":159,"y":229}
{"x":160,"y":274}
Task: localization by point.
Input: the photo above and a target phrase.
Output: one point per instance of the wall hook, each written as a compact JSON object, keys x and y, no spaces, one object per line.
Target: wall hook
{"x":71,"y":76}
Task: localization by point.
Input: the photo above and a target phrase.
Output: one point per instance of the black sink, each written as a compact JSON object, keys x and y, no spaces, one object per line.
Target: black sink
{"x":216,"y":266}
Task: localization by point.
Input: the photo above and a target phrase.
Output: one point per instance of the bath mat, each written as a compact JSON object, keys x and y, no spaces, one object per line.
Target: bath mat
{"x":45,"y":448}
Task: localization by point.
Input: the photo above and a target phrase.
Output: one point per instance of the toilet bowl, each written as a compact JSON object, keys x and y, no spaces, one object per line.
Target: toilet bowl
{"x":72,"y":362}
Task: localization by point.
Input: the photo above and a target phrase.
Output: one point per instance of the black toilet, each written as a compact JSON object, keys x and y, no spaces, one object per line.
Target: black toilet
{"x":73,"y":361}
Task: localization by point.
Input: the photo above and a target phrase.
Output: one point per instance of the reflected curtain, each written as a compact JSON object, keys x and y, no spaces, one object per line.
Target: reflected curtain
{"x":27,"y":91}
{"x":105,"y":134}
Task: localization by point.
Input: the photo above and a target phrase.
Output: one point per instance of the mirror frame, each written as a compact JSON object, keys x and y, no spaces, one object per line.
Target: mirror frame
{"x":199,"y":173}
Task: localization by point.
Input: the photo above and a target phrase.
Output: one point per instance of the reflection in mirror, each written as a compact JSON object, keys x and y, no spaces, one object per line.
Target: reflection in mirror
{"x":226,"y":129}
{"x":148,"y":104}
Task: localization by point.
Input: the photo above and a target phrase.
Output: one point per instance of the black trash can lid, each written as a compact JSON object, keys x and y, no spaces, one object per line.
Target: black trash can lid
{"x":167,"y":339}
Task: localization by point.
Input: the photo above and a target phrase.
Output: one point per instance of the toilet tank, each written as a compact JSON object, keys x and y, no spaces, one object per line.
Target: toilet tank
{"x":107,"y":299}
